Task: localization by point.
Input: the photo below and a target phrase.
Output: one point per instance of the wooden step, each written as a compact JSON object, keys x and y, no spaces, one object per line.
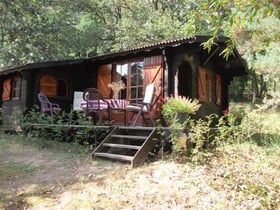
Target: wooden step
{"x":129,"y":137}
{"x":122,"y":146}
{"x":136,"y":128}
{"x":114,"y":156}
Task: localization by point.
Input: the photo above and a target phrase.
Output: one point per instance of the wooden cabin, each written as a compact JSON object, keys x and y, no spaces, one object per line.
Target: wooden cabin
{"x":177,"y":67}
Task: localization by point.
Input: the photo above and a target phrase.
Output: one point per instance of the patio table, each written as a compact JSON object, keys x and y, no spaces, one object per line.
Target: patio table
{"x":118,"y":105}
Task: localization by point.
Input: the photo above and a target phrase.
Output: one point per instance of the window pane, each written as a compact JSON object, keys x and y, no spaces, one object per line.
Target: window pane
{"x":16,"y":88}
{"x":61,"y":88}
{"x":133,"y":81}
{"x":121,"y":71}
{"x":140,"y":93}
{"x":133,"y":93}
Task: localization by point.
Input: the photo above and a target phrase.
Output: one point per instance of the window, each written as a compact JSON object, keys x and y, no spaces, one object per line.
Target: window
{"x":11,"y":89}
{"x":185,"y":80}
{"x":132,"y":74}
{"x":16,"y":88}
{"x":136,"y":81}
{"x":61,"y":88}
{"x":121,"y":74}
{"x":50,"y":86}
{"x":209,"y":86}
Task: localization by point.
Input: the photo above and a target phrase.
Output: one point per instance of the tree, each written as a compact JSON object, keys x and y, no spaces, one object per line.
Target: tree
{"x":34,"y":31}
{"x":43,"y":30}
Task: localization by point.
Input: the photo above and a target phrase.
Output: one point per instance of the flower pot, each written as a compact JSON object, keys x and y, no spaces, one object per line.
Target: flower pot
{"x":182,"y":117}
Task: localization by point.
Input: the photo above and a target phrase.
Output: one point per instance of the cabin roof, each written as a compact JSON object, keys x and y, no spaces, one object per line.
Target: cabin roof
{"x":159,"y":45}
{"x":221,"y":41}
{"x":48,"y":64}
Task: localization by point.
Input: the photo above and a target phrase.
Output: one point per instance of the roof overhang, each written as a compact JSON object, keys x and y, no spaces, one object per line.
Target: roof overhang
{"x":42,"y":65}
{"x":233,"y":64}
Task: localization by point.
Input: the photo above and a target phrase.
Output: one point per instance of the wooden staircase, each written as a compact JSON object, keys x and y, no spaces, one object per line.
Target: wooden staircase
{"x":129,"y":144}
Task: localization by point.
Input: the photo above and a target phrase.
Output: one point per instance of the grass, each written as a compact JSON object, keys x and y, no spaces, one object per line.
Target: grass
{"x":238,"y":176}
{"x":43,"y":174}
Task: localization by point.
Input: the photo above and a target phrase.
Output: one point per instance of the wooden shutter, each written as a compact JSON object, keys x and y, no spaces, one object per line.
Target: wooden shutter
{"x":202,"y":82}
{"x":218,"y":90}
{"x":153,"y":73}
{"x":210,"y":86}
{"x":6,"y":95}
{"x":48,"y":85}
{"x":103,"y":79}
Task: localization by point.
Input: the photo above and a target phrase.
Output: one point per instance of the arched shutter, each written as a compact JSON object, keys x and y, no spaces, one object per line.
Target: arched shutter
{"x":48,"y":85}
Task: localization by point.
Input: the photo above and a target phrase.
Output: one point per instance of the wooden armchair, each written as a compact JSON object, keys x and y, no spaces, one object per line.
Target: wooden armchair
{"x":143,"y":108}
{"x":47,"y":106}
{"x":95,"y":104}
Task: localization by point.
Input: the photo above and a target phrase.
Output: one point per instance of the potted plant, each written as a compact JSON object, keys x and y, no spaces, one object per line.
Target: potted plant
{"x":178,"y":108}
{"x":176,"y":112}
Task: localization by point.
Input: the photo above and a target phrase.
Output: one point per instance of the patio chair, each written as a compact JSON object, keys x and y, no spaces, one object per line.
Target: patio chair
{"x":95,"y":104}
{"x":47,"y":106}
{"x":142,"y":108}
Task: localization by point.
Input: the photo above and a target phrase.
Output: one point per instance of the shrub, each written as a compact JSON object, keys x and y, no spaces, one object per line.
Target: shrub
{"x":179,"y":104}
{"x":68,"y":127}
{"x":176,"y":112}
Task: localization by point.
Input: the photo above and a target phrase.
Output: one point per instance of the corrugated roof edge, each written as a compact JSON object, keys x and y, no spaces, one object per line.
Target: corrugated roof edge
{"x":190,"y":39}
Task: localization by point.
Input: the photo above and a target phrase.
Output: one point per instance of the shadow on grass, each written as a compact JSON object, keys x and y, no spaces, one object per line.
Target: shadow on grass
{"x":266,"y":139}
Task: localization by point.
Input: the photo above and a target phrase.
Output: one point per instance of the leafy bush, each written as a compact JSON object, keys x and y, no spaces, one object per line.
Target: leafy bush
{"x":67,"y":127}
{"x":197,"y":139}
{"x":179,"y":104}
{"x":176,"y":112}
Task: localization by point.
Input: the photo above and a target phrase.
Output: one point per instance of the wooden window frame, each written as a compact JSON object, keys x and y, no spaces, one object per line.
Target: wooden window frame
{"x":138,"y":86}
{"x":16,"y":88}
{"x":12,"y":88}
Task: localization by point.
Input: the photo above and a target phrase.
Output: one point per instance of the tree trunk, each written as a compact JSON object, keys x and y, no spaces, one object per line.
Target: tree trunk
{"x":255,"y":89}
{"x":263,"y":88}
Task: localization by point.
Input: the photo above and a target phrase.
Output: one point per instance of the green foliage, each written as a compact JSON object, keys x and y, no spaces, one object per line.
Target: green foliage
{"x":201,"y":135}
{"x":177,"y":112}
{"x":180,"y":104}
{"x":52,"y":30}
{"x":65,"y":127}
{"x":196,"y":140}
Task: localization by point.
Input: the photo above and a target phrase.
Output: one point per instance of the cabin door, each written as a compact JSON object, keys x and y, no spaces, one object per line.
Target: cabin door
{"x":185,"y":80}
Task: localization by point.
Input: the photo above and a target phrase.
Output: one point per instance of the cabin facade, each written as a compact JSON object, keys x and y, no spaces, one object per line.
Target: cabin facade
{"x":179,"y":67}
